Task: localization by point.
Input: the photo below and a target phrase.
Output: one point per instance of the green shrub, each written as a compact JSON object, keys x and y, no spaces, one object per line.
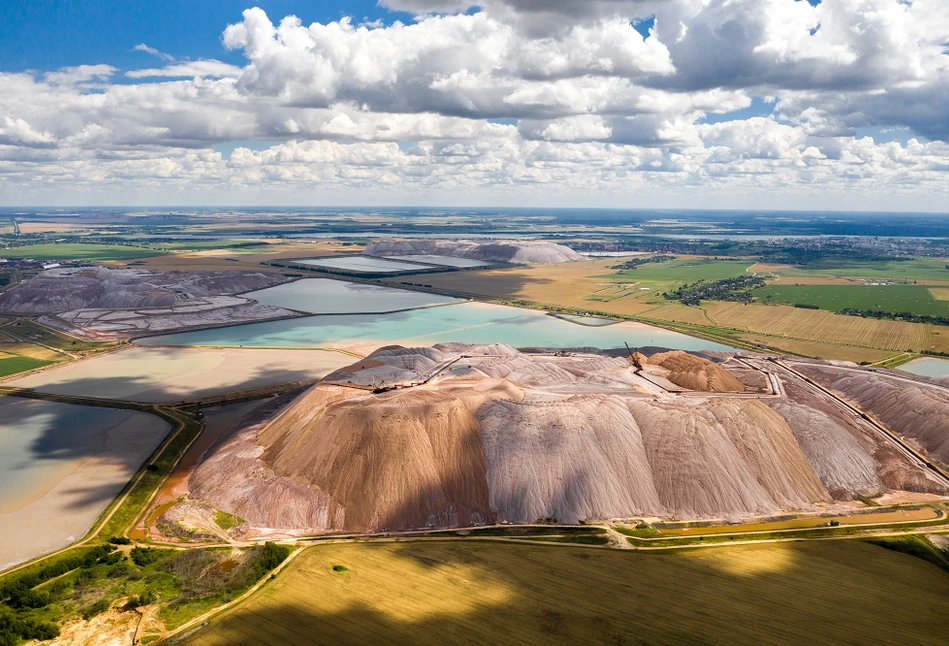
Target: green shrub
{"x":96,"y":608}
{"x":143,"y":556}
{"x":14,"y":628}
{"x":23,"y":597}
{"x":120,"y":540}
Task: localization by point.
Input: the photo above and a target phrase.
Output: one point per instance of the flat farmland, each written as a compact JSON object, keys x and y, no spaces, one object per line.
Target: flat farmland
{"x":10,"y":364}
{"x":940,"y":293}
{"x":915,"y":299}
{"x":840,"y":592}
{"x":686,"y":270}
{"x":928,"y":270}
{"x":79,"y":251}
{"x":819,"y":325}
{"x":676,"y":312}
{"x":570,"y":285}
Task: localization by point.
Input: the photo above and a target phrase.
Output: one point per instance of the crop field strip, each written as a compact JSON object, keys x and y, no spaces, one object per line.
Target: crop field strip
{"x":80,"y":251}
{"x":918,"y":269}
{"x":915,"y":299}
{"x":438,"y":592}
{"x":818,"y":325}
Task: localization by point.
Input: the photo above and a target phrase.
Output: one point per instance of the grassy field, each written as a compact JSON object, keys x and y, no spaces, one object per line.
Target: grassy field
{"x":78,"y":251}
{"x":841,"y":592}
{"x":230,"y":246}
{"x":685,"y":270}
{"x":31,"y":331}
{"x":12,"y":364}
{"x":921,"y":269}
{"x":915,"y":299}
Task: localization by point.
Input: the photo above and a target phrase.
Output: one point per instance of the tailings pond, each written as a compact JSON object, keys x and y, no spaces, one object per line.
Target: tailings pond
{"x":327,"y":296}
{"x":146,"y":374}
{"x":445,"y":261}
{"x":361,"y":264}
{"x":60,"y":467}
{"x":467,"y":322}
{"x":927,"y":367}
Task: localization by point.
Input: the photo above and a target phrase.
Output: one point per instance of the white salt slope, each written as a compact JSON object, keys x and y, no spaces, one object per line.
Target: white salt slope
{"x":580,"y":457}
{"x":505,"y":435}
{"x":512,"y":251}
{"x":915,"y":410}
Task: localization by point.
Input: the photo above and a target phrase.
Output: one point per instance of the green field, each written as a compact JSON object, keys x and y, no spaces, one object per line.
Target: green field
{"x":31,"y":331}
{"x":686,"y":270}
{"x":78,"y":251}
{"x":833,"y":592}
{"x":910,"y":270}
{"x":915,"y":299}
{"x":10,"y":365}
{"x":240,"y":246}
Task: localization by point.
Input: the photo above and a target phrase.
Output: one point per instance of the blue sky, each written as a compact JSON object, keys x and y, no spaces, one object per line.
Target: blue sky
{"x":49,"y":34}
{"x":680,"y":103}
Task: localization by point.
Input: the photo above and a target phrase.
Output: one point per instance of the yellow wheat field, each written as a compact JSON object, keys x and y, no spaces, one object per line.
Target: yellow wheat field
{"x":831,"y":592}
{"x":819,"y":325}
{"x":678,"y":313}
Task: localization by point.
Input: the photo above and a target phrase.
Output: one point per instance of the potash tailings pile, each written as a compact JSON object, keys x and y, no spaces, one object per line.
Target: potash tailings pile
{"x":512,"y":251}
{"x":102,"y":304}
{"x":457,"y":435}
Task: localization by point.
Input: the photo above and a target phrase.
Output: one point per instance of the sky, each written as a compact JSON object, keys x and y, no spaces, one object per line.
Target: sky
{"x":762,"y":104}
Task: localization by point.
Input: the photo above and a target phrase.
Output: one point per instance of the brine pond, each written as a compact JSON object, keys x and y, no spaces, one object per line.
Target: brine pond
{"x":445,"y":261}
{"x":60,"y":467}
{"x":927,"y":367}
{"x":361,"y":264}
{"x":328,"y":296}
{"x":466,"y":322}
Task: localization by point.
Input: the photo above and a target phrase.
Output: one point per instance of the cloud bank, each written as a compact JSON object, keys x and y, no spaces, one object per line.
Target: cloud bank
{"x":521,"y":100}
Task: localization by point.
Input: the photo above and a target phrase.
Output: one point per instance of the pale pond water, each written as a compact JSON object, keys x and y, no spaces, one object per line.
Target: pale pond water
{"x":361,"y":264}
{"x":328,"y":296}
{"x":467,"y":322}
{"x":927,"y":367}
{"x":445,"y":261}
{"x":60,"y":466}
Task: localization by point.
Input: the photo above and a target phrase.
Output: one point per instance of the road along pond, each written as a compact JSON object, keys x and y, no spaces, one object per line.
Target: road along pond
{"x":60,"y":467}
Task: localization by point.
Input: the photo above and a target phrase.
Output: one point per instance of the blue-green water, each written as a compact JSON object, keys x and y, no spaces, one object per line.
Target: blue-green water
{"x":927,"y":367}
{"x":467,"y":322}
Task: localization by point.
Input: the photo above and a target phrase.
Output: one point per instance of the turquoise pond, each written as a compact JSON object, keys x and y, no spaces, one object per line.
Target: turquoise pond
{"x":466,"y":322}
{"x":927,"y":367}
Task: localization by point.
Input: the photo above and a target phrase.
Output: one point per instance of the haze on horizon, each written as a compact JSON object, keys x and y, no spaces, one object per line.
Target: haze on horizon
{"x":762,"y":104}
